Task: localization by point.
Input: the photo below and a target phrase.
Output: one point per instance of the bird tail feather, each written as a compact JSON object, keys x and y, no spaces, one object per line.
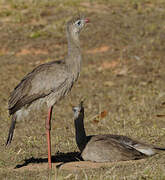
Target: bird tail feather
{"x":160,"y":148}
{"x":11,"y":130}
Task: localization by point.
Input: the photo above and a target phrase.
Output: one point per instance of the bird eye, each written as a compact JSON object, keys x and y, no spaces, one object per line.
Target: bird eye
{"x":75,"y":109}
{"x":78,"y":22}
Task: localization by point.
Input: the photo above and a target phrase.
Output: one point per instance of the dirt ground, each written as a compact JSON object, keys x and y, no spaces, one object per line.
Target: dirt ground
{"x":122,"y":81}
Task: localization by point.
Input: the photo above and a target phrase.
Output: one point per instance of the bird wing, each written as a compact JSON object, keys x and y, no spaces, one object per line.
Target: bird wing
{"x":108,"y":144}
{"x":42,"y":81}
{"x":132,"y":145}
{"x":124,"y":140}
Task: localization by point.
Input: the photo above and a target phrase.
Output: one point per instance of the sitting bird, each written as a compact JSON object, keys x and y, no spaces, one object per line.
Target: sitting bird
{"x":108,"y":147}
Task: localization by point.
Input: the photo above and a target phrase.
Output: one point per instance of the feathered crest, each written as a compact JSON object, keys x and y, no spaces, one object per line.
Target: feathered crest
{"x":82,"y":102}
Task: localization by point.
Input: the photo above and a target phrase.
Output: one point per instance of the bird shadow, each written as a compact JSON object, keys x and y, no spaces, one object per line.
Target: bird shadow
{"x":58,"y":157}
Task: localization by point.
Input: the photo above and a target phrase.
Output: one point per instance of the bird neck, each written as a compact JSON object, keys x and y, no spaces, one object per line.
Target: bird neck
{"x":73,"y":44}
{"x":73,"y":59}
{"x":81,"y":137}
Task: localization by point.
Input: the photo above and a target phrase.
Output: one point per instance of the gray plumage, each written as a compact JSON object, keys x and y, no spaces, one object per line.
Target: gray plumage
{"x":108,"y":147}
{"x":48,"y":82}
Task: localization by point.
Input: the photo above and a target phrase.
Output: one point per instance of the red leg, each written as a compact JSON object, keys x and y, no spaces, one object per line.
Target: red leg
{"x":48,"y":128}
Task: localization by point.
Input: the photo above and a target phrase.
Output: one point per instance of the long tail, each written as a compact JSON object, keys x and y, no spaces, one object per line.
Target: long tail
{"x":160,"y":148}
{"x":11,"y":130}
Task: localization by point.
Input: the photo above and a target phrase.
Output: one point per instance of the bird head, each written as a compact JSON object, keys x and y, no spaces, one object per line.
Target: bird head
{"x":76,"y":25}
{"x":78,"y":110}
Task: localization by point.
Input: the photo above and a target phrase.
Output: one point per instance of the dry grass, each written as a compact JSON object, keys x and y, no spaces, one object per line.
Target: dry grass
{"x":123,"y":75}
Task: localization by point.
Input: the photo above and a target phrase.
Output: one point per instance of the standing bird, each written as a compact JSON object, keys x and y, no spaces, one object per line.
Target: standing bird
{"x":48,"y":83}
{"x":108,"y":147}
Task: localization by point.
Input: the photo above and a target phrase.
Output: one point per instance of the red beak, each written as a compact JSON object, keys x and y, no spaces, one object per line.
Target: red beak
{"x":87,"y":20}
